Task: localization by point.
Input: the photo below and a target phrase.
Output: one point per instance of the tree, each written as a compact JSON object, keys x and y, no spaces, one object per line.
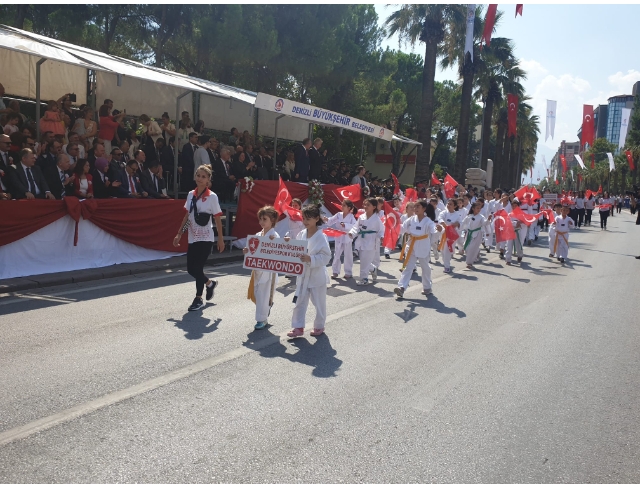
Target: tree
{"x":633,"y":137}
{"x":425,"y":23}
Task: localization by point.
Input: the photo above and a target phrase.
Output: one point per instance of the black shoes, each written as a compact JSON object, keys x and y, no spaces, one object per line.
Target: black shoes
{"x":196,"y":305}
{"x":211,"y":289}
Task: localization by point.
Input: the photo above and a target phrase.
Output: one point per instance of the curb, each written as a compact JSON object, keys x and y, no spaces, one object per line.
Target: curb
{"x":19,"y":284}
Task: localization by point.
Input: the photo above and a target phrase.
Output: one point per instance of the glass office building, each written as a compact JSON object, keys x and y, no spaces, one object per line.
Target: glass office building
{"x":614,"y":116}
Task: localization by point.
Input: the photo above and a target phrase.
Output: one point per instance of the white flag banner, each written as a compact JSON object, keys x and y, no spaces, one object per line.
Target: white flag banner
{"x":551,"y":119}
{"x":544,"y":163}
{"x":555,"y":174}
{"x":612,"y":164}
{"x":471,"y":17}
{"x":579,"y":159}
{"x":624,"y":126}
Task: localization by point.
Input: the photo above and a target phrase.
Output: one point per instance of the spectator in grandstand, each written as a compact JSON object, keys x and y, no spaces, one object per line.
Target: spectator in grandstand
{"x":302,"y":161}
{"x":134,"y":142}
{"x":13,"y":119}
{"x":97,"y":151}
{"x":49,"y":158}
{"x":199,"y":127}
{"x":83,"y":184}
{"x":5,"y":168}
{"x":168,"y":129}
{"x":52,"y":121}
{"x":86,"y":128}
{"x":152,"y":131}
{"x":73,"y":151}
{"x":233,"y":138}
{"x":186,"y":161}
{"x":66,"y":111}
{"x":152,"y":181}
{"x":123,"y":152}
{"x":141,"y":158}
{"x":200,"y":155}
{"x":108,"y":126}
{"x":316,"y":159}
{"x":167,"y":158}
{"x":101,"y":182}
{"x":289,"y":168}
{"x":74,"y":138}
{"x":129,"y":186}
{"x":184,"y":130}
{"x":27,"y":179}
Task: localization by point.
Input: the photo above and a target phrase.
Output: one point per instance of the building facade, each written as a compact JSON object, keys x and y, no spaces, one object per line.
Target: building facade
{"x":614,"y":118}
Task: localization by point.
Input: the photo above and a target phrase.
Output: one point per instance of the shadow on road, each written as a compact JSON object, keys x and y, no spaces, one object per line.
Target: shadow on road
{"x":317,"y":353}
{"x":492,"y":273}
{"x":429,"y":302}
{"x":195,"y":325}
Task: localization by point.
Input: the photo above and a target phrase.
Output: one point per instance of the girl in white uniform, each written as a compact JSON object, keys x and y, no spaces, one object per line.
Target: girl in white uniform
{"x":557,"y":210}
{"x":464,"y":209}
{"x":420,"y":228}
{"x":563,"y":224}
{"x":342,"y":245}
{"x":263,"y":282}
{"x":312,"y":284}
{"x":521,"y":231}
{"x":473,"y":224}
{"x":450,"y":217}
{"x":367,"y":228}
{"x":435,"y":239}
{"x":295,"y":227}
{"x":376,"y":256}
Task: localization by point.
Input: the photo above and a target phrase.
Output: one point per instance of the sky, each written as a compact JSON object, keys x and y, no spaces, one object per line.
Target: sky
{"x":574,"y":54}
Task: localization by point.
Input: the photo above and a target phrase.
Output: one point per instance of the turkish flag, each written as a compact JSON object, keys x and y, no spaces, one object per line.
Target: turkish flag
{"x":392,"y":226}
{"x":352,"y":192}
{"x":563,"y":160}
{"x":512,"y":114}
{"x":434,"y":180}
{"x":450,"y":186}
{"x":587,"y":125}
{"x":503,"y":226}
{"x":332,"y":232}
{"x":599,"y":189}
{"x":527,"y":195}
{"x":295,"y":215}
{"x":588,"y":193}
{"x":523,"y":217}
{"x":451,"y":234}
{"x":282,"y":198}
{"x":489,"y":21}
{"x":396,"y":188}
{"x":629,"y":155}
{"x":359,"y":213}
{"x":549,"y":214}
{"x":519,"y":9}
{"x":409,"y":196}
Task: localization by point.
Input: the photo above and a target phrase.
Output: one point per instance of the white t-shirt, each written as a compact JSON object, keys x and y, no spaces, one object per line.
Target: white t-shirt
{"x":207,"y":203}
{"x":580,"y":203}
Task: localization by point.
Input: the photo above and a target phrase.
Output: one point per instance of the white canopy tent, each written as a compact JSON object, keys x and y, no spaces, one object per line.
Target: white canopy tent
{"x":141,"y":88}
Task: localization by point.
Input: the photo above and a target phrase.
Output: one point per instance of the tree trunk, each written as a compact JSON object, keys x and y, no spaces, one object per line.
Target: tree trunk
{"x":431,"y":40}
{"x":513,"y":161}
{"x":498,"y":159}
{"x":21,"y":13}
{"x":486,"y":132}
{"x":337,"y":137}
{"x":462,"y":147}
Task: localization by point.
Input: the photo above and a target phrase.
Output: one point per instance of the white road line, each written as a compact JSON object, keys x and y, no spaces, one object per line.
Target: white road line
{"x":174,"y":273}
{"x":42,"y":424}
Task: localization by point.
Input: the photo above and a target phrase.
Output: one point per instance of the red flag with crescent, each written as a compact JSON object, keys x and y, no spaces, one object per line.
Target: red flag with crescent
{"x":410,"y":195}
{"x":588,"y":126}
{"x":549,"y":214}
{"x":563,"y":160}
{"x":282,"y":198}
{"x":523,"y":217}
{"x":599,"y":189}
{"x":588,"y":193}
{"x":332,"y":232}
{"x":527,"y":195}
{"x":629,"y":155}
{"x":434,"y":180}
{"x":489,"y":21}
{"x":352,"y":192}
{"x":512,"y":114}
{"x":396,"y":183}
{"x":392,"y":226}
{"x":503,"y":226}
{"x":519,"y":9}
{"x":450,"y":186}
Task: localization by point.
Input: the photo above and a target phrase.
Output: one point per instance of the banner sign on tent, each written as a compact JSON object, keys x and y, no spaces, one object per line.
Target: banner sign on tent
{"x":320,"y":116}
{"x":275,"y":255}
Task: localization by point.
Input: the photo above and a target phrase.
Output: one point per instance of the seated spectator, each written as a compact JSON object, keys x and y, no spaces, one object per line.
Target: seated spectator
{"x":108,"y":126}
{"x":14,"y":106}
{"x":97,"y":151}
{"x":223,"y":181}
{"x":27,"y":179}
{"x":83,"y":183}
{"x":168,"y":129}
{"x":124,"y":151}
{"x":155,"y":153}
{"x":86,"y":128}
{"x":16,"y":139}
{"x":49,"y":158}
{"x":152,"y":181}
{"x":13,"y":119}
{"x":74,"y":138}
{"x":233,"y":138}
{"x":73,"y":151}
{"x":103,"y":187}
{"x":52,"y":121}
{"x":134,"y":142}
{"x":141,"y":158}
{"x":5,"y":168}
{"x":129,"y":186}
{"x":59,"y":178}
{"x":42,"y":146}
{"x":214,"y":149}
{"x":27,"y":132}
{"x":239,"y":167}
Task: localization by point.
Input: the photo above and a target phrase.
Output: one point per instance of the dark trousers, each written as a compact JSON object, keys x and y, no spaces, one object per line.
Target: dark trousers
{"x":619,"y":207}
{"x":197,"y":255}
{"x":603,"y":218}
{"x":580,"y":216}
{"x":587,"y":218}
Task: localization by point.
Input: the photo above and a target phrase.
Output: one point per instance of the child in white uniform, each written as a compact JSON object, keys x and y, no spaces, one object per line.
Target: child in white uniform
{"x":435,"y":239}
{"x":420,"y":228}
{"x":450,"y":217}
{"x":563,"y":224}
{"x":342,"y":245}
{"x":473,"y":224}
{"x":521,"y":234}
{"x":263,"y":282}
{"x":312,"y":284}
{"x":295,"y":227}
{"x":557,"y":210}
{"x":376,"y":257}
{"x":367,"y":229}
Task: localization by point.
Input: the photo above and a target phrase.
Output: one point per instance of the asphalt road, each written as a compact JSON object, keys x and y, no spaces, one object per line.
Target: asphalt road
{"x":523,"y":374}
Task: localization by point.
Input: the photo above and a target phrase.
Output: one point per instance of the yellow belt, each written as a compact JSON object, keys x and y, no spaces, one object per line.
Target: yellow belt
{"x":411,"y":242}
{"x":555,"y":245}
{"x":251,"y":292}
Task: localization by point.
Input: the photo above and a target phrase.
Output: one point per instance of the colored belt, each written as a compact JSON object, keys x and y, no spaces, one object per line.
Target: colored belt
{"x":412,"y":240}
{"x":558,"y":234}
{"x":470,"y":234}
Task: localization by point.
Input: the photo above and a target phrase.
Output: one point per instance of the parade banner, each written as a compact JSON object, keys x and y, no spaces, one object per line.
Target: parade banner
{"x":489,"y":21}
{"x":629,"y":155}
{"x":588,"y":127}
{"x":624,"y":126}
{"x":320,"y":116}
{"x":612,"y":165}
{"x":551,"y":119}
{"x":275,"y":255}
{"x":580,"y":162}
{"x":512,"y":114}
{"x":471,"y":17}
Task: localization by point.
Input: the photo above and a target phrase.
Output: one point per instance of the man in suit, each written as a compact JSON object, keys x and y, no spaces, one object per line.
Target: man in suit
{"x":154,"y":153}
{"x":129,"y":186}
{"x":316,"y":159}
{"x":167,"y":160}
{"x":223,"y":181}
{"x":103,"y":185}
{"x":58,"y":178}
{"x":213,"y":150}
{"x":72,"y":151}
{"x":98,"y":151}
{"x":48,"y":159}
{"x":27,"y":179}
{"x":152,"y":181}
{"x":140,"y":157}
{"x":301,"y":154}
{"x":185,"y":166}
{"x":5,"y":168}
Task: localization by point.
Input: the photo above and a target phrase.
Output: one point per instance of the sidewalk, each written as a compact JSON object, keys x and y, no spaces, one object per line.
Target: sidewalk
{"x":18,"y":284}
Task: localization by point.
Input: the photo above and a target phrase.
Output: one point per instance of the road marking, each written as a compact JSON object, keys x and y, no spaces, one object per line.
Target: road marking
{"x":42,"y":424}
{"x":174,"y":273}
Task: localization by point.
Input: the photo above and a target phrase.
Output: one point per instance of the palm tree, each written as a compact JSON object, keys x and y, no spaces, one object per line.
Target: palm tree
{"x":528,"y":131}
{"x":425,"y":23}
